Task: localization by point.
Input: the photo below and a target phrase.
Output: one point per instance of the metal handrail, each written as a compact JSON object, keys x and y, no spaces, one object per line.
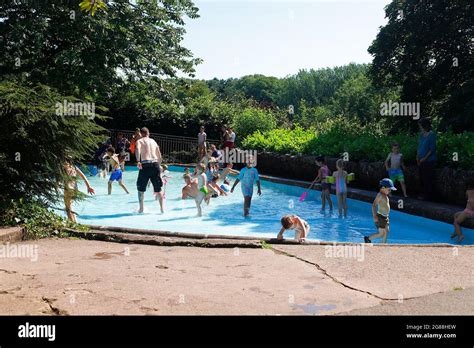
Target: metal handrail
{"x":128,"y":134}
{"x":174,"y":148}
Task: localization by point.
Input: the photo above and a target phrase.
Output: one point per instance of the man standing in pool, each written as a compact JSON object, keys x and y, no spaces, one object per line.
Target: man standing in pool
{"x":248,"y":175}
{"x":149,"y":160}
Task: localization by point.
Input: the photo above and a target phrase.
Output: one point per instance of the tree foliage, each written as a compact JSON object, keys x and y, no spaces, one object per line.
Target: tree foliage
{"x":426,"y":48}
{"x":36,"y":141}
{"x":57,"y":44}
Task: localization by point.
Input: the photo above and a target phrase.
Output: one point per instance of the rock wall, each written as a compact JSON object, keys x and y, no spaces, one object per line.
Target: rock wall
{"x":450,"y":183}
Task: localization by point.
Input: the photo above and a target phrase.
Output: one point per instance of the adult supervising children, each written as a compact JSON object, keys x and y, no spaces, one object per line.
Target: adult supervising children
{"x":149,"y":160}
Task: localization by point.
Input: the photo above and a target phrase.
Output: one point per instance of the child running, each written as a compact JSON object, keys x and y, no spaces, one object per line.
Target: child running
{"x":294,"y":222}
{"x":70,"y":187}
{"x":396,"y":167}
{"x":323,"y":173}
{"x":381,"y":211}
{"x":116,"y":170}
{"x":248,"y":175}
{"x":340,"y":176}
{"x":467,"y":213}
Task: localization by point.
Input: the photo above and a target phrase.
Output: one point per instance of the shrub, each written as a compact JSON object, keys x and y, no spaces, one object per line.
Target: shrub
{"x":336,"y":136}
{"x":280,"y":140}
{"x":37,"y":220}
{"x":251,"y":120}
{"x":36,"y":141}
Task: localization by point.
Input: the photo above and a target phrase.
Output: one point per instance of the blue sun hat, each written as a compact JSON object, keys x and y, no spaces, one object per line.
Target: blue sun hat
{"x":387,"y":183}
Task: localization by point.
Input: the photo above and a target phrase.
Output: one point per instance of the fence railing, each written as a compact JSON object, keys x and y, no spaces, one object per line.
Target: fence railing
{"x":174,"y":148}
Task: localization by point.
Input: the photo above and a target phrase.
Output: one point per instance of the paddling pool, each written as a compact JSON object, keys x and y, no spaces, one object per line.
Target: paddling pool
{"x":224,"y":215}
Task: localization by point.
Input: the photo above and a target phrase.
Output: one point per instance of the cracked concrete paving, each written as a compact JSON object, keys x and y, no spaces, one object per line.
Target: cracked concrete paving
{"x":86,"y":277}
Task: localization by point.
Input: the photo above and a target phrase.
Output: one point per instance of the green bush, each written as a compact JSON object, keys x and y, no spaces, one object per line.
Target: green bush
{"x":251,"y":120}
{"x":280,"y":140}
{"x":37,"y":220}
{"x":334,"y":137}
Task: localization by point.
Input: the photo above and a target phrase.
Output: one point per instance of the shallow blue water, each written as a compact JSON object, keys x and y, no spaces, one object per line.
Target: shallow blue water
{"x":224,"y":215}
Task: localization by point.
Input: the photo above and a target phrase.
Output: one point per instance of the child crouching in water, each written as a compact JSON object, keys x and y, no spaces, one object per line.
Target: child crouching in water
{"x":467,"y":213}
{"x":381,"y":211}
{"x":294,"y":222}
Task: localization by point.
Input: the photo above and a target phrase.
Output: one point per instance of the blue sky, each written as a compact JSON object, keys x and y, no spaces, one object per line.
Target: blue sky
{"x":280,"y":37}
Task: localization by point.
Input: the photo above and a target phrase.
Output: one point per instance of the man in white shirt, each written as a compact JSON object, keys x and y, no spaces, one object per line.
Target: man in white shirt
{"x":149,"y":160}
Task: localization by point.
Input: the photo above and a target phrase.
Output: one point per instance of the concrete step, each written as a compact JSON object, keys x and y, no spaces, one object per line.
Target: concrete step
{"x":11,"y":234}
{"x":112,"y":236}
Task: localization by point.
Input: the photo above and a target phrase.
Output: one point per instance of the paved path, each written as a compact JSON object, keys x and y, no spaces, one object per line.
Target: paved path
{"x":74,"y":276}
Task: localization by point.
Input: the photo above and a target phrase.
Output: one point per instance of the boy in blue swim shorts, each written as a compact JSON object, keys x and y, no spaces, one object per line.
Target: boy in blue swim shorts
{"x":394,"y":165}
{"x":248,"y":175}
{"x":116,"y":175}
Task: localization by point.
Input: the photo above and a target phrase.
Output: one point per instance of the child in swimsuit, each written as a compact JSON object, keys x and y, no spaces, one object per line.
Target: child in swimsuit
{"x":213,"y":184}
{"x":165,"y":174}
{"x":381,"y":211}
{"x":340,"y":176}
{"x":396,"y":168}
{"x":71,"y":189}
{"x":294,"y":222}
{"x":116,"y":170}
{"x":226,"y":171}
{"x":323,"y":173}
{"x":248,"y":175}
{"x":467,"y":213}
{"x":202,"y":187}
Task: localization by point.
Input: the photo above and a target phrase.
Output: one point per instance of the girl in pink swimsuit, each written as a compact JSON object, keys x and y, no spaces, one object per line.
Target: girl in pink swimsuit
{"x":323,"y":173}
{"x":467,"y":213}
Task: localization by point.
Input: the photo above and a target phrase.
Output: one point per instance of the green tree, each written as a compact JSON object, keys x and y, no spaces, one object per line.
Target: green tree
{"x":426,"y":48}
{"x":59,"y":45}
{"x":36,"y":140}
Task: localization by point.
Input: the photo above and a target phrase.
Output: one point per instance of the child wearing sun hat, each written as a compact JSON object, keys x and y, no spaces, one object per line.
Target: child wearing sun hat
{"x":381,"y":211}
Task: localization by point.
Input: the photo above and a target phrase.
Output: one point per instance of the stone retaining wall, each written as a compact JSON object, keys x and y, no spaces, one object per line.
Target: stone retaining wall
{"x":450,"y":183}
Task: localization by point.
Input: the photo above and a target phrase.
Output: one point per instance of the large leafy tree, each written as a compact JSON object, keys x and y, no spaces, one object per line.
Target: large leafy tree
{"x":426,"y":48}
{"x":36,"y":141}
{"x":60,"y":45}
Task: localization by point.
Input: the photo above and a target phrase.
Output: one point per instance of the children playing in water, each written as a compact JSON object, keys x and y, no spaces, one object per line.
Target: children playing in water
{"x":226,"y":171}
{"x":323,"y":173}
{"x":116,"y":175}
{"x":294,"y":222}
{"x":381,"y":211}
{"x":165,"y":174}
{"x":191,"y":188}
{"x":340,"y":177}
{"x":467,"y":213}
{"x":70,"y":187}
{"x":213,"y":184}
{"x":248,"y":175}
{"x":395,"y":167}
